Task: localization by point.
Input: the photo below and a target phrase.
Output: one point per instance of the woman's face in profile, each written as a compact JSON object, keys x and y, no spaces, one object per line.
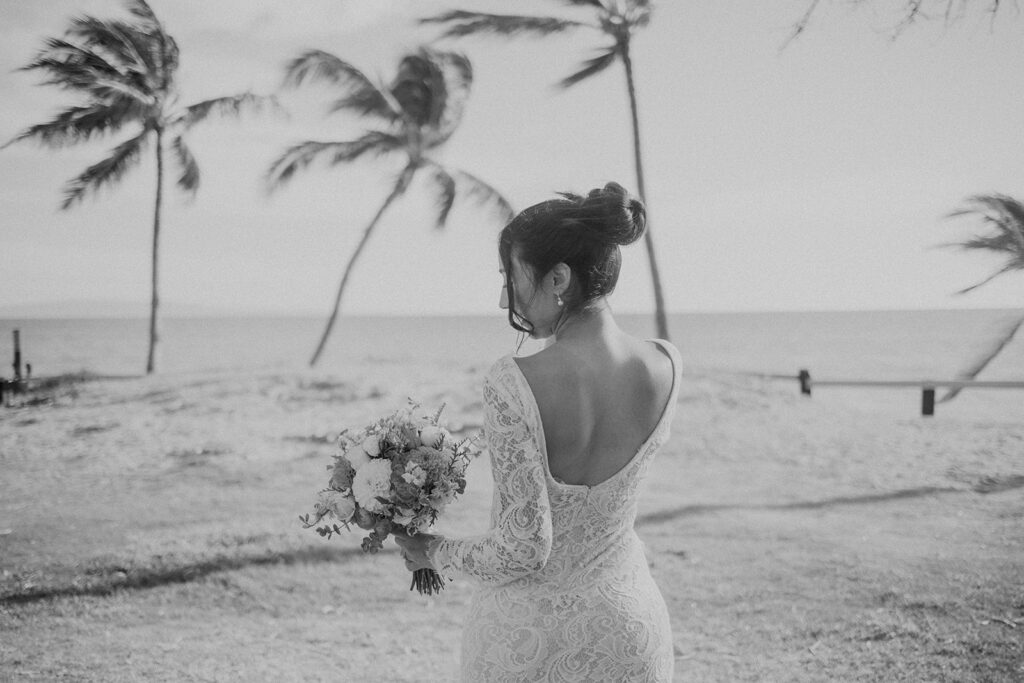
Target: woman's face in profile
{"x":528,"y":299}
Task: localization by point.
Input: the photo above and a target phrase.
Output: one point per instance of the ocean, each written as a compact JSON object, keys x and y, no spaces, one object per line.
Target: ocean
{"x":935,"y":344}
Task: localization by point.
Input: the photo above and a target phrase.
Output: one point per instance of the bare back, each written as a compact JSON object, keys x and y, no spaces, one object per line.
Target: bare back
{"x":599,"y":401}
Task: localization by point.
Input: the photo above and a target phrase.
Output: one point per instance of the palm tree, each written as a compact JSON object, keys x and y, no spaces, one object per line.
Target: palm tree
{"x":414,"y":115}
{"x":616,"y":20}
{"x":125,"y":71}
{"x":1005,"y":215}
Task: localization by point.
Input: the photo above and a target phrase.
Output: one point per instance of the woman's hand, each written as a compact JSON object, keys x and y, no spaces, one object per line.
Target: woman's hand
{"x":414,"y":549}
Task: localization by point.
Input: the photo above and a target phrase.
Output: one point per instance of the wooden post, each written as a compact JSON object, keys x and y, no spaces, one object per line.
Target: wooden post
{"x":928,"y":401}
{"x":805,"y":382}
{"x":17,"y":356}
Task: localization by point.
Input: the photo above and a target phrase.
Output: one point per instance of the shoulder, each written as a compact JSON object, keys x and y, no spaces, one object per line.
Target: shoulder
{"x":555,"y":370}
{"x":503,"y":381}
{"x":665,"y":348}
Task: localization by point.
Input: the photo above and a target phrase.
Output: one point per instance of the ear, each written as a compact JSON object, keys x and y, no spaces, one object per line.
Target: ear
{"x":560,"y":278}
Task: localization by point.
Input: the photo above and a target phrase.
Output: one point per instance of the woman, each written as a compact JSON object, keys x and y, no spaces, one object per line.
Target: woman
{"x":565,"y":589}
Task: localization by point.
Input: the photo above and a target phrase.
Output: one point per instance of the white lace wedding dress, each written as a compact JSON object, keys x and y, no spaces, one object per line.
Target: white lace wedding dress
{"x":566,"y":594}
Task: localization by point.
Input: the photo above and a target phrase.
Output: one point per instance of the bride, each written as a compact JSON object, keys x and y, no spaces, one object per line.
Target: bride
{"x":564,"y":588}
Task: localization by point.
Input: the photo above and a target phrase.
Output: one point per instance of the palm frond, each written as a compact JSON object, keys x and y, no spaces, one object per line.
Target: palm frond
{"x":367,"y":102}
{"x":160,"y":45}
{"x":119,"y":42}
{"x":457,"y":76}
{"x":461,"y":23}
{"x":100,"y":88}
{"x":189,"y":178}
{"x":76,"y":124}
{"x":76,"y":67}
{"x":445,"y":197}
{"x":60,"y":56}
{"x":300,"y":156}
{"x":1005,"y":215}
{"x":230,"y":106}
{"x":1005,"y":269}
{"x":105,"y":172}
{"x":419,"y":88}
{"x":1002,"y":213}
{"x":142,"y":10}
{"x":591,"y":67}
{"x":483,"y":194}
{"x":320,"y":66}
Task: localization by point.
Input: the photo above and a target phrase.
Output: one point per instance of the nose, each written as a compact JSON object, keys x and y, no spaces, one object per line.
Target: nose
{"x":503,"y":299}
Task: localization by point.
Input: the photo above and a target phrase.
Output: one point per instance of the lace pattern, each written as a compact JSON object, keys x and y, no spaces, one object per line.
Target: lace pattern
{"x":519,"y":540}
{"x":565,"y":592}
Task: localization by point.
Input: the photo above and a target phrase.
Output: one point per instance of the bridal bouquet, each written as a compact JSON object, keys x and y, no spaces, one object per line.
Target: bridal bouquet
{"x":397,"y":474}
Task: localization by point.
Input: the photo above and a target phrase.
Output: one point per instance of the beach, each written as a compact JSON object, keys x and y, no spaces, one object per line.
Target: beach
{"x":149,"y":531}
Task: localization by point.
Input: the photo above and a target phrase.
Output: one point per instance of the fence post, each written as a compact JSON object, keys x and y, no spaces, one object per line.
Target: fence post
{"x":805,"y":382}
{"x":17,"y":356}
{"x":928,"y":401}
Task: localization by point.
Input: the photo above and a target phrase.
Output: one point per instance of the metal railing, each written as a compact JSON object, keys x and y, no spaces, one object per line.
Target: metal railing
{"x":927,"y":386}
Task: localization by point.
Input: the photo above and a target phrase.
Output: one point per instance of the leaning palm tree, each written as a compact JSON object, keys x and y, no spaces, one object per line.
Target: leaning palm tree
{"x":1005,"y":215}
{"x":616,"y":20}
{"x":124,"y":72}
{"x":414,"y":115}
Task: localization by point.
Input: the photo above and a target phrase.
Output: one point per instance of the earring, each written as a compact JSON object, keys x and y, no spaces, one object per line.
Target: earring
{"x":558,"y":300}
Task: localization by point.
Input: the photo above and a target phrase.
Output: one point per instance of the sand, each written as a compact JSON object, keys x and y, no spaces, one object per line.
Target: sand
{"x":149,"y":531}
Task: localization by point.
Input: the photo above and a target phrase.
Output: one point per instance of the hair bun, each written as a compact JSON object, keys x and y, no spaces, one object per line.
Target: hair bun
{"x":622,"y":217}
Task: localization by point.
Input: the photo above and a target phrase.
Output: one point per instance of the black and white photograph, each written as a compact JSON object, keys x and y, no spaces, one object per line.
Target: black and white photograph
{"x":481,"y":341}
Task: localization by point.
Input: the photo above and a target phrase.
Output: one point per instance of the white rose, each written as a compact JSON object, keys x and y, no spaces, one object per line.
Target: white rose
{"x":433,"y":436}
{"x":356,"y":457}
{"x":340,"y":505}
{"x":371,"y":445}
{"x":372,"y":480}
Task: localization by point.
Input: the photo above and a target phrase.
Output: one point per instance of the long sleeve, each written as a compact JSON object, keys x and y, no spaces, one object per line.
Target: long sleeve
{"x":519,"y":540}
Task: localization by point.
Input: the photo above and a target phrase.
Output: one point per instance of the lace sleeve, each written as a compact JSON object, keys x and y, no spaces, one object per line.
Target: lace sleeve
{"x":519,"y":540}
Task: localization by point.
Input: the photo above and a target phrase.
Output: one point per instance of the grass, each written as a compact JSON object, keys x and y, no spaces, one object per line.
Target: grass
{"x":148,"y":531}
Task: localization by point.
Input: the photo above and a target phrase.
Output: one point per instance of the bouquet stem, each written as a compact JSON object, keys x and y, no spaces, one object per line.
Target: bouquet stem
{"x":427,"y":582}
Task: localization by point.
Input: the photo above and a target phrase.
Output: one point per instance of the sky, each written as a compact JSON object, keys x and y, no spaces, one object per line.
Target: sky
{"x":815,"y":176}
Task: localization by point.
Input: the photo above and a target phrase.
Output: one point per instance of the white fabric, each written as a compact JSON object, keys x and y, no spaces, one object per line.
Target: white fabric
{"x":565,"y":592}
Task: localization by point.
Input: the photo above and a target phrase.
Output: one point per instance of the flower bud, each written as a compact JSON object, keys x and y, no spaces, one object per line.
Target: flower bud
{"x":371,"y":445}
{"x":432,"y":436}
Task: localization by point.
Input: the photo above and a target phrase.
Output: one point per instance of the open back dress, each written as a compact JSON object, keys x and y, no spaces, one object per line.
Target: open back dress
{"x":565,"y":592}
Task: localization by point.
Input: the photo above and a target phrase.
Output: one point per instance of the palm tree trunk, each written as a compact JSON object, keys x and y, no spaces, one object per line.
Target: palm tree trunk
{"x":154,"y":302}
{"x":659,"y":298}
{"x":400,"y":186}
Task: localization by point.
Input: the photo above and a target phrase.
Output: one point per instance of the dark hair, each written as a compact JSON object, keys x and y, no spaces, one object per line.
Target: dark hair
{"x":584,"y":233}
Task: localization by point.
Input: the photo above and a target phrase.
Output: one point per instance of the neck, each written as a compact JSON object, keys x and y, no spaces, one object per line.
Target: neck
{"x":592,"y":321}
